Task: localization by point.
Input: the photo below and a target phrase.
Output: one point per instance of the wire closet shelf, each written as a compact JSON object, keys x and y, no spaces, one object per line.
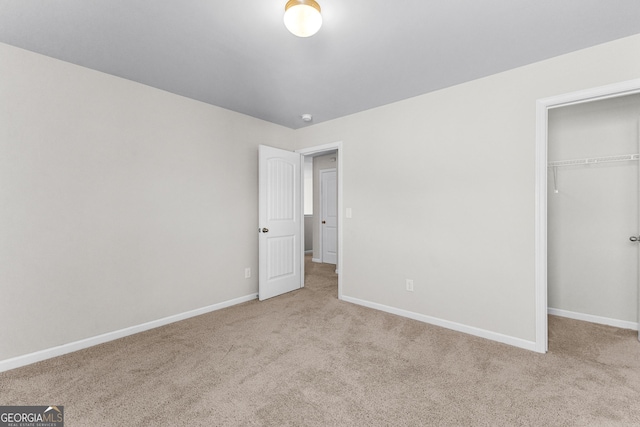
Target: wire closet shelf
{"x":588,"y":161}
{"x":592,"y":160}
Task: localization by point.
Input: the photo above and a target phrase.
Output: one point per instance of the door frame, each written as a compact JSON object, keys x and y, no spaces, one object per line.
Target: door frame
{"x":320,"y":233}
{"x":542,"y":109}
{"x":317,"y":150}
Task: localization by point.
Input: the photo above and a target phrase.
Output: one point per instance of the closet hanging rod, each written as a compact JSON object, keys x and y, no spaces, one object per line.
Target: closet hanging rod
{"x":592,"y":160}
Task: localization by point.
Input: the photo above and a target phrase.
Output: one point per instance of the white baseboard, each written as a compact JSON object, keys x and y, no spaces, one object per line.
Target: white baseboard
{"x":624,"y":324}
{"x":482,"y":333}
{"x":49,"y":353}
{"x":310,"y":251}
{"x":316,"y":260}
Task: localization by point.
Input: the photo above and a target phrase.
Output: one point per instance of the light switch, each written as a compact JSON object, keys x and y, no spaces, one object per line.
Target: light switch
{"x":348,"y":213}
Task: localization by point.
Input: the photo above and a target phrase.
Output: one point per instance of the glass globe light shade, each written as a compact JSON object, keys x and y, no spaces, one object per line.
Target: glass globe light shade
{"x":302,"y":17}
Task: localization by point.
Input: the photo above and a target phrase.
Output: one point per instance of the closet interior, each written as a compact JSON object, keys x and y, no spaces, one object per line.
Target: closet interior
{"x":592,"y":210}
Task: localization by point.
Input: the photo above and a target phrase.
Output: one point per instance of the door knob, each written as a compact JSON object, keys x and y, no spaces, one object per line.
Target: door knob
{"x":324,"y":222}
{"x":634,"y":238}
{"x":265,"y":230}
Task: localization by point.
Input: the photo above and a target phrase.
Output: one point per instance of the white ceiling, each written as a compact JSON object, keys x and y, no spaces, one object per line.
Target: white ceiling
{"x":238,"y":55}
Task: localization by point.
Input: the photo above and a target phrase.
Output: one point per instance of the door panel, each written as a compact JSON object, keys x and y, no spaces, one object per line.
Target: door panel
{"x":280,"y":231}
{"x":329,"y":215}
{"x":281,"y":261}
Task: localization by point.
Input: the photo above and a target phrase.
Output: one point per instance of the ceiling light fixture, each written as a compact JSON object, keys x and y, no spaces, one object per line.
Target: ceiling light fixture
{"x":302,"y":17}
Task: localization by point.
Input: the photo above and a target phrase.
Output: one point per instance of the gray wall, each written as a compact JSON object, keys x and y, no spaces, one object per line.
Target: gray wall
{"x":442,"y":190}
{"x":120,"y":204}
{"x":308,"y":233}
{"x":592,"y":265}
{"x":308,"y":204}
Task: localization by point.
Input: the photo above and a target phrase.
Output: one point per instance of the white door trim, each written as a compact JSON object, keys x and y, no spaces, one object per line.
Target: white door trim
{"x":319,"y":149}
{"x":542,"y":109}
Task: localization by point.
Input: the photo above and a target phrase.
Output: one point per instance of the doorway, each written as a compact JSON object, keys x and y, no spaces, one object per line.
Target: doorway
{"x":592,"y":210}
{"x":543,"y":108}
{"x":324,"y":157}
{"x":320,"y":207}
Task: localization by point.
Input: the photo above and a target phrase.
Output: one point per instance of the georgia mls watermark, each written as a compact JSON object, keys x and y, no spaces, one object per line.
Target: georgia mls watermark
{"x":31,"y":416}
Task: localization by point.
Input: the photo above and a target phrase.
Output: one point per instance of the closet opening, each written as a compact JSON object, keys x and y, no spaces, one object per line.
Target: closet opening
{"x":564,"y":255}
{"x":592,"y":218}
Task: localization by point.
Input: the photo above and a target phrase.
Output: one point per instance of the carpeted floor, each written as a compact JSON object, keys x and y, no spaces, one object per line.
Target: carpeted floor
{"x":307,"y":359}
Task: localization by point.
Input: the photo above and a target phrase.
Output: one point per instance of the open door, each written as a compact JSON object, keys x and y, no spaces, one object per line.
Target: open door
{"x":279,"y":216}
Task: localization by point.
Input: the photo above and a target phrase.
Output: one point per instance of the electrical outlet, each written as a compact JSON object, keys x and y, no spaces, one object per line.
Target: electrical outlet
{"x":409,"y":283}
{"x":247,"y":273}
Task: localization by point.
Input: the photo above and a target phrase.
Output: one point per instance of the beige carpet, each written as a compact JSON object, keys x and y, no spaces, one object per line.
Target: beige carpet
{"x":307,"y":359}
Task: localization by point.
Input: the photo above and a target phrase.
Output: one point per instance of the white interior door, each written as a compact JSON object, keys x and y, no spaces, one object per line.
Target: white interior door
{"x":638,"y":296}
{"x":280,"y":231}
{"x":329,"y":215}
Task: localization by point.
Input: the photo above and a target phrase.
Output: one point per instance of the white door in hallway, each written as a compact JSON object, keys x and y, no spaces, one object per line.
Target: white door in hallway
{"x":329,"y":215}
{"x":279,"y":216}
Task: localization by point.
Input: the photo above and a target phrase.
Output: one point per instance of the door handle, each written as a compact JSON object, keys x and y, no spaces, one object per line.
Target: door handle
{"x":324,"y":222}
{"x":265,"y":230}
{"x":634,"y":238}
